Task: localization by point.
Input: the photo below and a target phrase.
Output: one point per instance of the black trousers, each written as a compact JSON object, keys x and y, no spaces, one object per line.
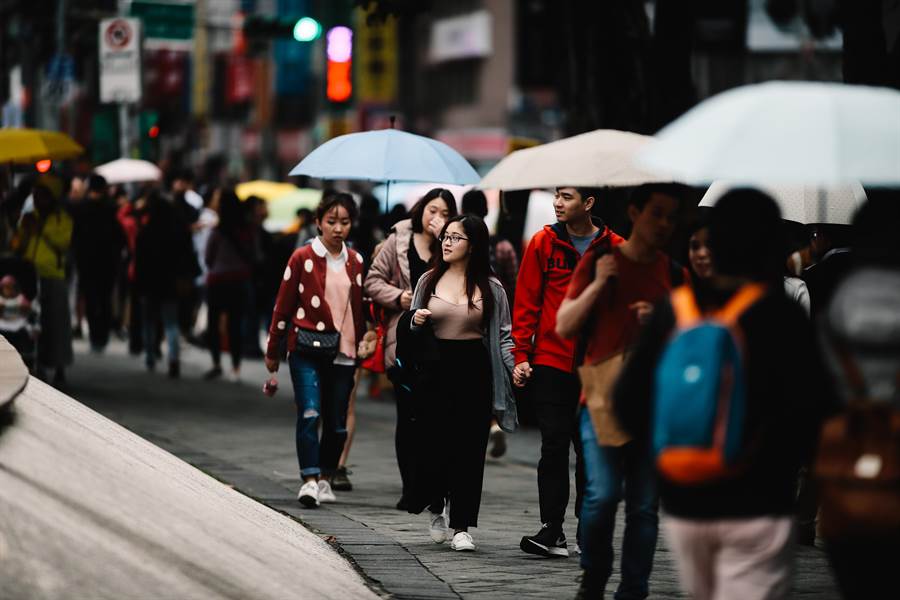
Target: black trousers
{"x":230,"y":298}
{"x":865,"y":567}
{"x":405,"y":437}
{"x":555,"y":396}
{"x":453,"y":427}
{"x":98,"y":295}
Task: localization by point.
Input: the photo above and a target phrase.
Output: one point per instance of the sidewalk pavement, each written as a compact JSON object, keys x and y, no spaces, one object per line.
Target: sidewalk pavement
{"x":242,"y":437}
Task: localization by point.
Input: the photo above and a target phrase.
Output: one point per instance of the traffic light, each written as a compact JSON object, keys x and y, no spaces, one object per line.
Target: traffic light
{"x":302,"y":29}
{"x":339,"y":73}
{"x":148,"y":143}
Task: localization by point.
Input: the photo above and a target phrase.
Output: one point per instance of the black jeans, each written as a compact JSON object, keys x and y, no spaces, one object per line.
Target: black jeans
{"x":555,"y":396}
{"x":453,"y":433}
{"x":230,"y":298}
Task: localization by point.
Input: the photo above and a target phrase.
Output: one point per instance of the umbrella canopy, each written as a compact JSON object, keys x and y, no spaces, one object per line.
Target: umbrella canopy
{"x":267,"y":190}
{"x":129,"y":170}
{"x":804,"y":203}
{"x":283,"y":210}
{"x":794,"y":133}
{"x":30,"y":145}
{"x":602,"y":158}
{"x":387,"y":155}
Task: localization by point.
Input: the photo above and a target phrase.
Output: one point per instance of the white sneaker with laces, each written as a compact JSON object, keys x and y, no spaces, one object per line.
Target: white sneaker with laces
{"x":438,"y":528}
{"x":309,"y":494}
{"x":325,"y":493}
{"x":462,"y":542}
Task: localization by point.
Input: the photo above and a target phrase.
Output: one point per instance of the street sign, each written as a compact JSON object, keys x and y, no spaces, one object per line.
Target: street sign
{"x":120,"y":60}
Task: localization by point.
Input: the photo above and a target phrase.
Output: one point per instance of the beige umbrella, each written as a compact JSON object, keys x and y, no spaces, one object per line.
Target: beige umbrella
{"x":804,"y":203}
{"x":129,"y":170}
{"x":601,"y":158}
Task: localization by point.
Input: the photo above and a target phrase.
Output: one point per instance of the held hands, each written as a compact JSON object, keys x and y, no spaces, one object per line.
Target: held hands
{"x":643,"y":309}
{"x":405,"y":299}
{"x":604,"y":268}
{"x":422,"y":315}
{"x":521,"y":374}
{"x":271,"y":365}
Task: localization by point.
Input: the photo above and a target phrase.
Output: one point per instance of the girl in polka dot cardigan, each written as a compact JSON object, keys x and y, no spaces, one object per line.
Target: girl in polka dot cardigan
{"x":321,"y":291}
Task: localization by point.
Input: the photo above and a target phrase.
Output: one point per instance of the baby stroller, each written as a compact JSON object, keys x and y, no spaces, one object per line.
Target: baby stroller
{"x":22,"y":332}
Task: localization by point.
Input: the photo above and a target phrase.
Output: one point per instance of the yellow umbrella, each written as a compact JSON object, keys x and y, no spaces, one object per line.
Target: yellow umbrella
{"x":25,"y":146}
{"x":283,"y":210}
{"x":267,"y":190}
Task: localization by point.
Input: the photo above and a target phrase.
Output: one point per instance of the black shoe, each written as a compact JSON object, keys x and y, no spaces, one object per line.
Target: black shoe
{"x":590,"y":587}
{"x":174,"y":369}
{"x":403,"y":504}
{"x":213,"y":373}
{"x":340,"y":481}
{"x":549,"y":541}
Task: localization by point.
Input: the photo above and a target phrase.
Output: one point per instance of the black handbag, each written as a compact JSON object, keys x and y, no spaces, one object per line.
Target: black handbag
{"x":320,"y":345}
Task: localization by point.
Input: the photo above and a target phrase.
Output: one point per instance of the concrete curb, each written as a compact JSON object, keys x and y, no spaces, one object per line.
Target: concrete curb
{"x":388,"y":568}
{"x":13,"y":375}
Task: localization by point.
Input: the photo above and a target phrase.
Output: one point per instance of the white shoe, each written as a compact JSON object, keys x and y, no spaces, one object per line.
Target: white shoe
{"x":325,"y":493}
{"x":498,"y":441}
{"x":462,"y":542}
{"x":309,"y":494}
{"x":438,"y":528}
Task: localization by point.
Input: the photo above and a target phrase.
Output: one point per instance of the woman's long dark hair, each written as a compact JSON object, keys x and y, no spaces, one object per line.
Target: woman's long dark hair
{"x":478,"y":271}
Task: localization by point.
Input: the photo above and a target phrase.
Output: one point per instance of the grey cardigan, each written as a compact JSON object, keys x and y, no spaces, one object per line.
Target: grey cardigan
{"x":499,"y":344}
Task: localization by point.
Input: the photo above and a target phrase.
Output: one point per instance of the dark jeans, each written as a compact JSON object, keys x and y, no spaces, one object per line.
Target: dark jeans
{"x":154,"y":312}
{"x":606,"y":469}
{"x":229,"y":298}
{"x":98,"y":293}
{"x":321,"y":392}
{"x":865,"y":567}
{"x":555,"y":396}
{"x":455,"y":420}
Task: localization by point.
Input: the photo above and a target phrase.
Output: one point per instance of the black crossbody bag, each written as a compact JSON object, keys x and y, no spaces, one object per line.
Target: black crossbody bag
{"x":321,"y":345}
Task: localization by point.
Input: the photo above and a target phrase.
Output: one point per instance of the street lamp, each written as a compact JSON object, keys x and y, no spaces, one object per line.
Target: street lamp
{"x":307,"y":29}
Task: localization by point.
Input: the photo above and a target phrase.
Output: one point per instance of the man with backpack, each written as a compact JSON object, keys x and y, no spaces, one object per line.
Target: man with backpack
{"x":547,"y":359}
{"x":727,"y":389}
{"x":611,"y":294}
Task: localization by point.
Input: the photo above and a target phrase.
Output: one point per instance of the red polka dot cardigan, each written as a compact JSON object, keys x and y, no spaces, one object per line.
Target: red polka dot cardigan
{"x":300,"y":303}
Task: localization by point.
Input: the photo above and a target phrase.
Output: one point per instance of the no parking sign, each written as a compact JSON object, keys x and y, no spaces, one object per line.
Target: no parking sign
{"x":120,"y":60}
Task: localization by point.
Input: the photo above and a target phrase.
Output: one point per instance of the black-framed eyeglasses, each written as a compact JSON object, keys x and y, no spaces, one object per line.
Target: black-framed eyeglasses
{"x":453,"y":238}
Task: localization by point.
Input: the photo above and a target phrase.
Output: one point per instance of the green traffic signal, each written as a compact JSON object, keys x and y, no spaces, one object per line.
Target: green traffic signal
{"x":307,"y":29}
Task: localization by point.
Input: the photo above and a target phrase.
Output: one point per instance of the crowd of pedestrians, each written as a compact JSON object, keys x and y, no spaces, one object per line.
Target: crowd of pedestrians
{"x":690,"y":382}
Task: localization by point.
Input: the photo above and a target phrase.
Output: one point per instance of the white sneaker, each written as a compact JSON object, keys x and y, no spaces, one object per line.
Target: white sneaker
{"x":325,"y":493}
{"x":309,"y":494}
{"x":498,"y":441}
{"x":462,"y":542}
{"x":438,"y":528}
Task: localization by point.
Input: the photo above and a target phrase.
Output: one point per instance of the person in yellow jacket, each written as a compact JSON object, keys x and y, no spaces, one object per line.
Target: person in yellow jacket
{"x":43,"y":238}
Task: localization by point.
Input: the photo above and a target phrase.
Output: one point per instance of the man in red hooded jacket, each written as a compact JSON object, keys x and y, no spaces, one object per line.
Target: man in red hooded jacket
{"x":548,"y":360}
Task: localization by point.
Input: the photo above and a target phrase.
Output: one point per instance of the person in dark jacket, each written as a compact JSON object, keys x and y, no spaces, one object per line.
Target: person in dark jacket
{"x":163,"y":255}
{"x":97,"y":240}
{"x":732,"y":536}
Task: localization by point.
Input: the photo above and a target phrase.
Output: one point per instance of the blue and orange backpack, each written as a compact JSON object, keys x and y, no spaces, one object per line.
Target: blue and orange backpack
{"x":700,"y":390}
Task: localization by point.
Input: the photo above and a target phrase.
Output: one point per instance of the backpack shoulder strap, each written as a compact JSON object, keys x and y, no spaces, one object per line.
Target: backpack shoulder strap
{"x":687,"y":313}
{"x":743,"y":299}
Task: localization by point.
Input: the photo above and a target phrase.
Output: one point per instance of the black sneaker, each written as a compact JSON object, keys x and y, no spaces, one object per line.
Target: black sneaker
{"x":340,"y":481}
{"x":549,"y":541}
{"x":590,"y":586}
{"x":213,"y":373}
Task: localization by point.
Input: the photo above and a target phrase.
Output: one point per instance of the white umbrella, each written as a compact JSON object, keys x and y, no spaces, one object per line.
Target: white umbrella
{"x":800,"y":133}
{"x":803,"y":203}
{"x":129,"y":170}
{"x":601,"y":158}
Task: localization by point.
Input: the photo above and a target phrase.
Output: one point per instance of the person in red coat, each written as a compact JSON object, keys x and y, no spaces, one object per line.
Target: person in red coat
{"x":320,"y":292}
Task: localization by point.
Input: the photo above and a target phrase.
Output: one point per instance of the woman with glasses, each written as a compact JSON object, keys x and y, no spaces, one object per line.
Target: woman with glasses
{"x":466,"y":308}
{"x":402,"y":260}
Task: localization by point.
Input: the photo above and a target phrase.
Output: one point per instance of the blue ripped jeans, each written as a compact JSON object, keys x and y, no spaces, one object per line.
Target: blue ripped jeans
{"x":321,"y":391}
{"x":607,"y":471}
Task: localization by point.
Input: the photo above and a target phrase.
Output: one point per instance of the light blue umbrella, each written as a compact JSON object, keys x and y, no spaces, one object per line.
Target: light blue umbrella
{"x":387,"y":155}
